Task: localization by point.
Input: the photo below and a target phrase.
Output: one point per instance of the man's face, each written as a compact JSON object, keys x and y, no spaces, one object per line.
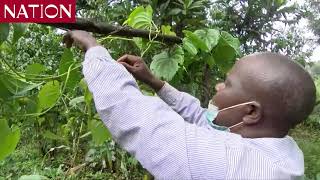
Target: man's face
{"x":231,"y":93}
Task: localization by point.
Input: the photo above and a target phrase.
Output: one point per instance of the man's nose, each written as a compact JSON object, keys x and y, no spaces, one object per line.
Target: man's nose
{"x":220,"y":86}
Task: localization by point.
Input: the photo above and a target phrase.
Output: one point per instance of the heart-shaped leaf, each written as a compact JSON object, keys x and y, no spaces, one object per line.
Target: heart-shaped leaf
{"x":166,"y":64}
{"x":209,"y":36}
{"x":228,"y":40}
{"x":196,"y":40}
{"x":33,"y":70}
{"x":48,"y":95}
{"x":188,"y":46}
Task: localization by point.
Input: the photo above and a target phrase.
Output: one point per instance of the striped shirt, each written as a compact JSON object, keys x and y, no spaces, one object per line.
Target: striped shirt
{"x":170,"y":135}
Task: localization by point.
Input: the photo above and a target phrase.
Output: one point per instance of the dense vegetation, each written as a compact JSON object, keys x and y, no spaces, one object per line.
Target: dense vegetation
{"x":48,"y":124}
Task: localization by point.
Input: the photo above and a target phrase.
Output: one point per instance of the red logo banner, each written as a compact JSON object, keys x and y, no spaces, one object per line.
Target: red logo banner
{"x":38,"y":11}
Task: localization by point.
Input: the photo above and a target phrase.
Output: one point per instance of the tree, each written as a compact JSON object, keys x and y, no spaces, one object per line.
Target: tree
{"x":191,"y":44}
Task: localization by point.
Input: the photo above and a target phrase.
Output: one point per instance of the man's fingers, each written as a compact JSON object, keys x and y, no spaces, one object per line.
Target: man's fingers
{"x":67,"y":39}
{"x":123,"y":58}
{"x":127,"y":66}
{"x":130,"y":59}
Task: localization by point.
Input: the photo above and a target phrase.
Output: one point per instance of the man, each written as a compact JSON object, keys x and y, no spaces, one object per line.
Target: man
{"x":243,"y":134}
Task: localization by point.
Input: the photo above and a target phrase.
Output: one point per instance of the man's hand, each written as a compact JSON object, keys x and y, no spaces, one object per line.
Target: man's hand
{"x":82,"y":39}
{"x":136,"y":66}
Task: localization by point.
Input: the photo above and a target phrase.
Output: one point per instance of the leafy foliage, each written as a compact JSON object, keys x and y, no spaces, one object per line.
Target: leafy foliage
{"x":44,"y":94}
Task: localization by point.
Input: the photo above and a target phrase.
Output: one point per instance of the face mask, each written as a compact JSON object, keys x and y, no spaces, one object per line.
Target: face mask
{"x":213,"y":111}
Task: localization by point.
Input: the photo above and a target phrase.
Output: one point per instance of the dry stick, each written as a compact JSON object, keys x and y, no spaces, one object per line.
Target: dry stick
{"x":107,"y":29}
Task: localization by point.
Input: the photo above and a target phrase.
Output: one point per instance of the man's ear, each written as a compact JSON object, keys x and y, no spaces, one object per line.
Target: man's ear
{"x":253,"y":114}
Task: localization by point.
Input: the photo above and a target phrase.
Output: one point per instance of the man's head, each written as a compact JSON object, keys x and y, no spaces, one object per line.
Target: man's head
{"x":284,"y":95}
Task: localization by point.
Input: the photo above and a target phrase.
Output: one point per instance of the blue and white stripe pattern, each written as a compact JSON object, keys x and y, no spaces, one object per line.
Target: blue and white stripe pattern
{"x":170,"y":135}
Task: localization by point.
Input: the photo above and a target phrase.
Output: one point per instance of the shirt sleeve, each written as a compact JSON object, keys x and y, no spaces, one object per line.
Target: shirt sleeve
{"x":183,"y":103}
{"x":145,"y":126}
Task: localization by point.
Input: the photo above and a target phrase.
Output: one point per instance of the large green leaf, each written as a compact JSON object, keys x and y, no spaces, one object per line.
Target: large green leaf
{"x":196,"y":41}
{"x":224,"y":57}
{"x":9,"y":138}
{"x":66,"y":62}
{"x":34,"y":70}
{"x":4,"y":32}
{"x":13,"y":86}
{"x":209,"y":36}
{"x":226,"y":51}
{"x":166,"y":64}
{"x":140,"y":18}
{"x":99,"y":132}
{"x":4,"y":92}
{"x":188,"y":46}
{"x":228,"y":40}
{"x":19,"y":29}
{"x":48,"y":95}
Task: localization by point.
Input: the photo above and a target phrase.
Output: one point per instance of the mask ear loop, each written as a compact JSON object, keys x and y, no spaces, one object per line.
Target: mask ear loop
{"x":234,"y":107}
{"x":235,"y":125}
{"x":237,"y":105}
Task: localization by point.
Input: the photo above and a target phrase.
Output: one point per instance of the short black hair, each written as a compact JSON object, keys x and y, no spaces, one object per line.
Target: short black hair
{"x":294,"y":86}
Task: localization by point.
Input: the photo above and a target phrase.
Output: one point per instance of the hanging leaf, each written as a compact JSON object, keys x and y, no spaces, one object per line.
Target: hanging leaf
{"x":141,"y":43}
{"x":209,"y":36}
{"x":33,"y":70}
{"x":99,"y":132}
{"x":226,"y":51}
{"x":76,"y":101}
{"x":224,"y":57}
{"x":140,"y":18}
{"x":67,"y":62}
{"x":18,"y":32}
{"x":196,"y":41}
{"x":228,"y":40}
{"x":4,"y":92}
{"x":166,"y":64}
{"x":4,"y":32}
{"x":9,"y":138}
{"x":48,"y":95}
{"x":188,"y":46}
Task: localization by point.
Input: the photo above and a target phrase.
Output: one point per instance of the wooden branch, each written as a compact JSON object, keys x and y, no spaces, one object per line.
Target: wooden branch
{"x":107,"y":29}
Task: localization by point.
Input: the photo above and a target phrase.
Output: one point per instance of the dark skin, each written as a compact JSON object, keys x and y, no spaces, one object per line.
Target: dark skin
{"x":240,"y":87}
{"x":229,"y":93}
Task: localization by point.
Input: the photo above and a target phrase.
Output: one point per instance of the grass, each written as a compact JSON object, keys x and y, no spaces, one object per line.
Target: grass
{"x":28,"y":160}
{"x":308,"y":139}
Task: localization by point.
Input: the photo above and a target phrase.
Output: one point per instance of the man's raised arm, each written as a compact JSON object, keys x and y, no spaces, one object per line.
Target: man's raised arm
{"x":145,"y":126}
{"x":184,"y":104}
